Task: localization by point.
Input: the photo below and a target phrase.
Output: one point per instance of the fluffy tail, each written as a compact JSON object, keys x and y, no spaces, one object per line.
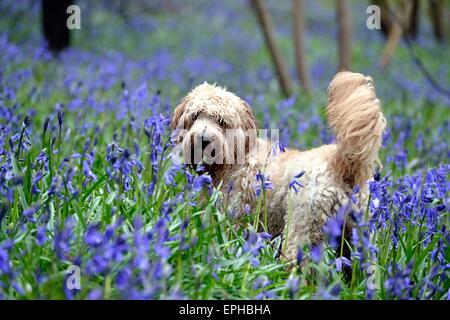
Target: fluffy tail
{"x":354,"y":114}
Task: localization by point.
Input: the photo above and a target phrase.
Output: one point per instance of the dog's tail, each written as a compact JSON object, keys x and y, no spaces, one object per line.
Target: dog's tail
{"x":354,"y":114}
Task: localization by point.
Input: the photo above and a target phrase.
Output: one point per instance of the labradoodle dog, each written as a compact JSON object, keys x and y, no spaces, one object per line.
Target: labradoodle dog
{"x":218,"y":129}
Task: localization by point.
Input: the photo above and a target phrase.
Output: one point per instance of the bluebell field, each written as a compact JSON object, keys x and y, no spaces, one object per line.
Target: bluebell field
{"x":86,"y":179}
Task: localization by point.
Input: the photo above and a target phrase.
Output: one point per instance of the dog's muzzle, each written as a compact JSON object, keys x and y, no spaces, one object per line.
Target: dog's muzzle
{"x":202,"y":148}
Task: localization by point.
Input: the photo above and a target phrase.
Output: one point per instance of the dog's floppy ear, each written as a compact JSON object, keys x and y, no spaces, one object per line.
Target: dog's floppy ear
{"x":250,"y":127}
{"x":177,"y":115}
{"x":249,"y":119}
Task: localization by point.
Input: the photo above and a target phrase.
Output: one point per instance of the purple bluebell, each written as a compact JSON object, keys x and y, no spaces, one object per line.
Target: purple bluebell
{"x":295,"y":183}
{"x":262,"y":183}
{"x":201,"y":181}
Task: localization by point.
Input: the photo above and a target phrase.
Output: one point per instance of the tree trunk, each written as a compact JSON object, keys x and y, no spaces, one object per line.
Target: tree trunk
{"x":437,"y":19}
{"x":413,"y":27}
{"x":265,"y":22}
{"x":298,"y":32}
{"x":395,"y":36}
{"x":391,"y":44}
{"x":344,"y":34}
{"x":54,"y":19}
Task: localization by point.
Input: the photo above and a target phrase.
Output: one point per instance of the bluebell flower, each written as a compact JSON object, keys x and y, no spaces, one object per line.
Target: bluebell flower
{"x":261,"y":283}
{"x":89,"y":175}
{"x":42,"y":159}
{"x":37,"y":177}
{"x":62,"y":239}
{"x":230,"y":187}
{"x":55,"y":186}
{"x":93,"y":237}
{"x":299,"y":256}
{"x":45,"y":125}
{"x":201,"y":181}
{"x":68,"y":181}
{"x":95,"y":294}
{"x":262,"y":183}
{"x":41,"y":235}
{"x":292,"y":285}
{"x":399,"y":284}
{"x":316,"y":253}
{"x":278,"y":147}
{"x":295,"y":183}
{"x":98,"y":264}
{"x":5,"y":262}
{"x":355,"y":191}
{"x":334,"y":225}
{"x":342,"y":261}
{"x":123,"y":278}
{"x":60,"y":119}
{"x":30,"y":212}
{"x":254,"y":244}
{"x":170,"y":174}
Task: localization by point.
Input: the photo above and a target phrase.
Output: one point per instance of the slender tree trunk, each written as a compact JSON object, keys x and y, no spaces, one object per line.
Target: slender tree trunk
{"x":414,"y":19}
{"x":437,"y":19}
{"x":391,"y":44}
{"x":54,"y":19}
{"x":447,"y":19}
{"x":265,"y":22}
{"x":395,"y":36}
{"x":298,"y":32}
{"x":344,"y":34}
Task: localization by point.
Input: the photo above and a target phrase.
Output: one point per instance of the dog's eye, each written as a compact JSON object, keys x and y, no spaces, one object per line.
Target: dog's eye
{"x":221,"y":123}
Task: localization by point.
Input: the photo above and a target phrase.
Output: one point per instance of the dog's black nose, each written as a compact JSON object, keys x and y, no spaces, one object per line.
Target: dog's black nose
{"x":205,"y":144}
{"x":206,"y":139}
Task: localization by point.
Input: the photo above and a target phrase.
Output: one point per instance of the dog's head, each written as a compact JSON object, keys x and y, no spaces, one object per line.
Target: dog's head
{"x":213,"y":126}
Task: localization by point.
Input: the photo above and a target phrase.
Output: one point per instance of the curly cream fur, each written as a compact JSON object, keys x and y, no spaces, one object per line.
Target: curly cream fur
{"x":331,"y":171}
